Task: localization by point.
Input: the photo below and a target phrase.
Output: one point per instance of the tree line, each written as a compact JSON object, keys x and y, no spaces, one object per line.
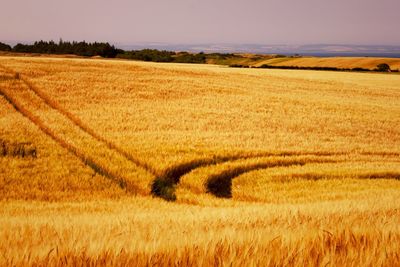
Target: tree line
{"x":383,"y":67}
{"x":163,"y":56}
{"x":76,"y":48}
{"x":104,"y":50}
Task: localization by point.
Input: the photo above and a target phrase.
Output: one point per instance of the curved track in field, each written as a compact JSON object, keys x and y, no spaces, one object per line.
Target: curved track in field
{"x":164,"y":185}
{"x":109,"y":156}
{"x":220,"y":184}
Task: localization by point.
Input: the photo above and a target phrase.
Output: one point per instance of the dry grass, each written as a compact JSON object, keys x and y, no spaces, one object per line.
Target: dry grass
{"x":307,"y":165}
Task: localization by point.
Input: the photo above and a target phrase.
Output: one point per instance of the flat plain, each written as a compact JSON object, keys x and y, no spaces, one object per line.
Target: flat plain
{"x":111,"y":162}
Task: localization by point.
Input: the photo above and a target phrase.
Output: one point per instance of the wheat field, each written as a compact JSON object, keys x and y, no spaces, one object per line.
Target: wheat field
{"x":111,"y":162}
{"x":336,"y":62}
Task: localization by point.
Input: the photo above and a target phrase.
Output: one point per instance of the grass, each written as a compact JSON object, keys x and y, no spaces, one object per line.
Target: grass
{"x":301,"y":166}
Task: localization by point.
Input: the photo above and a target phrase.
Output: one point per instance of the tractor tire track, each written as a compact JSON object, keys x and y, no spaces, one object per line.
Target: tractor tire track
{"x":164,"y":186}
{"x":101,"y":151}
{"x":86,"y":128}
{"x":220,"y":185}
{"x":84,"y":158}
{"x":79,"y":122}
{"x":316,"y":177}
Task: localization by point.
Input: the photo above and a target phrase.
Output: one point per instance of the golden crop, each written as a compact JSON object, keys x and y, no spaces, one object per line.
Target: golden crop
{"x":337,"y":62}
{"x":260,"y":167}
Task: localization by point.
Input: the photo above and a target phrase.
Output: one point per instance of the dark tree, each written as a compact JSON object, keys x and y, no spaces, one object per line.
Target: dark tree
{"x":4,"y":47}
{"x":383,"y":67}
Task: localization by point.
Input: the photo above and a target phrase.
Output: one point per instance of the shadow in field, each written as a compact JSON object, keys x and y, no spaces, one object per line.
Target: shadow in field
{"x":164,"y":185}
{"x":220,"y":185}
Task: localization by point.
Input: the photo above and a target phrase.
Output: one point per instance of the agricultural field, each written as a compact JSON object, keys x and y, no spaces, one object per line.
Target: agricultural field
{"x":369,"y":63}
{"x":113,"y":162}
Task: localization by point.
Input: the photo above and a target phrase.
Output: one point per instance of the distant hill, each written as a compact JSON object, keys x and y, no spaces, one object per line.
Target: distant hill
{"x":253,"y":59}
{"x":326,"y":50}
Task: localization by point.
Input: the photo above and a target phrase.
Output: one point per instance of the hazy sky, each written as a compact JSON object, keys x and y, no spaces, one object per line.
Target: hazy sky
{"x":203,"y":21}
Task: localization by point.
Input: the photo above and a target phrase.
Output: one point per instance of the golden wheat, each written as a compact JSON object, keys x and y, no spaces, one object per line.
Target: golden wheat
{"x":336,"y":62}
{"x":266,"y":167}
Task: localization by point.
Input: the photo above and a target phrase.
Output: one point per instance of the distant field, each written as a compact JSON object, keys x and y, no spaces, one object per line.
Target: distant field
{"x":336,"y":62}
{"x":260,"y":167}
{"x":257,"y":60}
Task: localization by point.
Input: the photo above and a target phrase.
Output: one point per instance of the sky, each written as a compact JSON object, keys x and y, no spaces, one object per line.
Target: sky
{"x":284,"y":22}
